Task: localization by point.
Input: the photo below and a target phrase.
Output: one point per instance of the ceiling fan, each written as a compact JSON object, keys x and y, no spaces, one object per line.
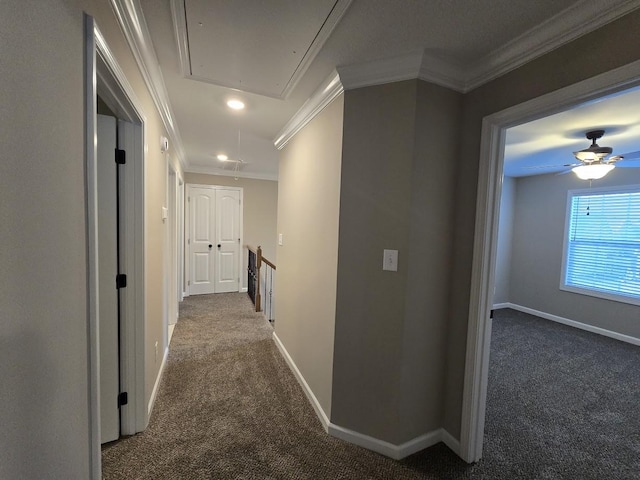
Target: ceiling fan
{"x":592,"y":162}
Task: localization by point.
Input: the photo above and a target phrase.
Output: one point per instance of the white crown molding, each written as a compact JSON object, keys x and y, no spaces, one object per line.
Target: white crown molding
{"x":182,"y":41}
{"x":389,"y":70}
{"x":441,"y":72}
{"x":328,"y":91}
{"x":581,"y":18}
{"x":575,"y":21}
{"x":131,"y":19}
{"x":229,"y":173}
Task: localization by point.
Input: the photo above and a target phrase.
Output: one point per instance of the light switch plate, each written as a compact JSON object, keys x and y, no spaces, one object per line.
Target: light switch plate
{"x":390,"y":260}
{"x":280,"y":239}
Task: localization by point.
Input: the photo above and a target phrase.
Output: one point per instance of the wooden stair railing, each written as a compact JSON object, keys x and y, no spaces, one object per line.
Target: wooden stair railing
{"x":254,"y":279}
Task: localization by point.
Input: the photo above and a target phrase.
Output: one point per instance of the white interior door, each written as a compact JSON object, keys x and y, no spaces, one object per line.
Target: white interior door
{"x":107,"y":270}
{"x":227,"y":240}
{"x":202,"y":240}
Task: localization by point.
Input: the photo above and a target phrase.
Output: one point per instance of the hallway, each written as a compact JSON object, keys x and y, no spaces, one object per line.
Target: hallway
{"x":229,"y":407}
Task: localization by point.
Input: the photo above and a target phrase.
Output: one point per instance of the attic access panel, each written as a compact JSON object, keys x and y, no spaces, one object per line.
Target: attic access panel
{"x":261,"y":47}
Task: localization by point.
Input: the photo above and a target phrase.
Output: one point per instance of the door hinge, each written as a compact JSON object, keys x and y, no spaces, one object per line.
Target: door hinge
{"x":121,"y":280}
{"x":188,"y":282}
{"x":188,"y":241}
{"x":121,"y":156}
{"x":123,"y":399}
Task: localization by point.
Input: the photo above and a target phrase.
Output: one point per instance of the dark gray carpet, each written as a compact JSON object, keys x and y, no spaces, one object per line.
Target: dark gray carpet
{"x":562,"y":404}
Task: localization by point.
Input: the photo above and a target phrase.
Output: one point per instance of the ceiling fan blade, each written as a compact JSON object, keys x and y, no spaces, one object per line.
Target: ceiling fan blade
{"x":564,"y":172}
{"x":628,"y":163}
{"x":631,"y":155}
{"x":533,"y":167}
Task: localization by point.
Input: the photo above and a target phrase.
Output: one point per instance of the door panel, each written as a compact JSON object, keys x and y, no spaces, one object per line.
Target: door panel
{"x":107,"y":270}
{"x":227,"y":240}
{"x":202,"y":240}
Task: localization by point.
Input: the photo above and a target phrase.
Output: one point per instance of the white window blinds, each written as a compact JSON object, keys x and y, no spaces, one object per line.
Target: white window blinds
{"x":603,"y":244}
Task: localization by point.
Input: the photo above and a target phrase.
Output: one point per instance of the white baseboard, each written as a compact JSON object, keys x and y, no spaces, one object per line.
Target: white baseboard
{"x":156,"y":386}
{"x":244,"y":290}
{"x":451,"y":442}
{"x":303,"y":383}
{"x":573,"y":323}
{"x":498,"y":306}
{"x":397,"y":452}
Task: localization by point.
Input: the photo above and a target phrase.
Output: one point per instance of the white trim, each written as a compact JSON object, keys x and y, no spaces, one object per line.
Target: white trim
{"x":573,"y":22}
{"x":485,"y":237}
{"x":91,"y":199}
{"x":156,"y":385}
{"x":227,"y":173}
{"x":450,"y":442}
{"x":244,"y":290}
{"x":188,"y":187}
{"x":574,"y":323}
{"x":397,"y":452}
{"x":328,"y":91}
{"x":584,"y":290}
{"x":388,"y":70}
{"x":303,"y":383}
{"x":442,"y":72}
{"x":500,"y":306}
{"x":131,"y":20}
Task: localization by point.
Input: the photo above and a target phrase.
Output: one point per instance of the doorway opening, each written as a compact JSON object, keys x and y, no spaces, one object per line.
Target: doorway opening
{"x":214,"y":230}
{"x":105,"y":79}
{"x":486,"y":234}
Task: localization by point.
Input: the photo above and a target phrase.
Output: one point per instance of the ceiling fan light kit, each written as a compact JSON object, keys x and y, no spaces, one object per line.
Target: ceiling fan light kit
{"x":593,"y":165}
{"x":593,"y":171}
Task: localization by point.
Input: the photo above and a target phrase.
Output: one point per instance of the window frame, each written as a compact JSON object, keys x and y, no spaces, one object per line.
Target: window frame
{"x":567,"y":226}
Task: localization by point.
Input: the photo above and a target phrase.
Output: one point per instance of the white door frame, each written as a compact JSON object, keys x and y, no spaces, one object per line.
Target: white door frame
{"x":485,"y":241}
{"x":171,"y":250}
{"x":104,"y":76}
{"x":187,"y":230}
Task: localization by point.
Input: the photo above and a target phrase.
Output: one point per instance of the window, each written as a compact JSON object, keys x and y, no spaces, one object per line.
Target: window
{"x":602,"y":244}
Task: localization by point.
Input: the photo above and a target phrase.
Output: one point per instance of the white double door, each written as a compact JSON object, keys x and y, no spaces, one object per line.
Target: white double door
{"x":214,"y":239}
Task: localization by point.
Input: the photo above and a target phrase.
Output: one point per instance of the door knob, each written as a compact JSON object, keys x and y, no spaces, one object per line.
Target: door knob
{"x":219,"y":245}
{"x":210,"y":246}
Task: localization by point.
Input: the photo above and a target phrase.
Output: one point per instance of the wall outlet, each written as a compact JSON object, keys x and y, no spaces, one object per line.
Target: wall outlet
{"x":280,"y":241}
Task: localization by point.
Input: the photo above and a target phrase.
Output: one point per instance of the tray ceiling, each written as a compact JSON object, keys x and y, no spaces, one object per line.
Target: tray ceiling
{"x":256,"y":47}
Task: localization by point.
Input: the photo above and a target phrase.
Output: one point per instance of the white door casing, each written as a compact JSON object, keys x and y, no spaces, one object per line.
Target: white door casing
{"x":486,"y":226}
{"x":227,"y":220}
{"x":202,"y":240}
{"x":107,"y":270}
{"x":214,"y":241}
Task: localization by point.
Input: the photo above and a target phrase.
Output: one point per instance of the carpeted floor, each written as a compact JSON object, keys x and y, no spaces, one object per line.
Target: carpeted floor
{"x":561,"y":404}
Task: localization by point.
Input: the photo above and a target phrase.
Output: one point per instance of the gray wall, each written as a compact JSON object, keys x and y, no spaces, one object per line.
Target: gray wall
{"x":43,"y":293}
{"x":505,"y":241}
{"x":612,"y":46}
{"x":308,"y":212}
{"x":395,"y":194}
{"x":537,"y":253}
{"x":43,"y":260}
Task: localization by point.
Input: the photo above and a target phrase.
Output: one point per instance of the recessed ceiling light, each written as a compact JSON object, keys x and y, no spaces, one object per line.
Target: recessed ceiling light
{"x":235,"y":104}
{"x":222,"y":157}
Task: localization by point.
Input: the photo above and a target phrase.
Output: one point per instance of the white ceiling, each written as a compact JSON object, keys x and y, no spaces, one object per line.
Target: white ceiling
{"x":546,"y":145}
{"x":243,"y":41}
